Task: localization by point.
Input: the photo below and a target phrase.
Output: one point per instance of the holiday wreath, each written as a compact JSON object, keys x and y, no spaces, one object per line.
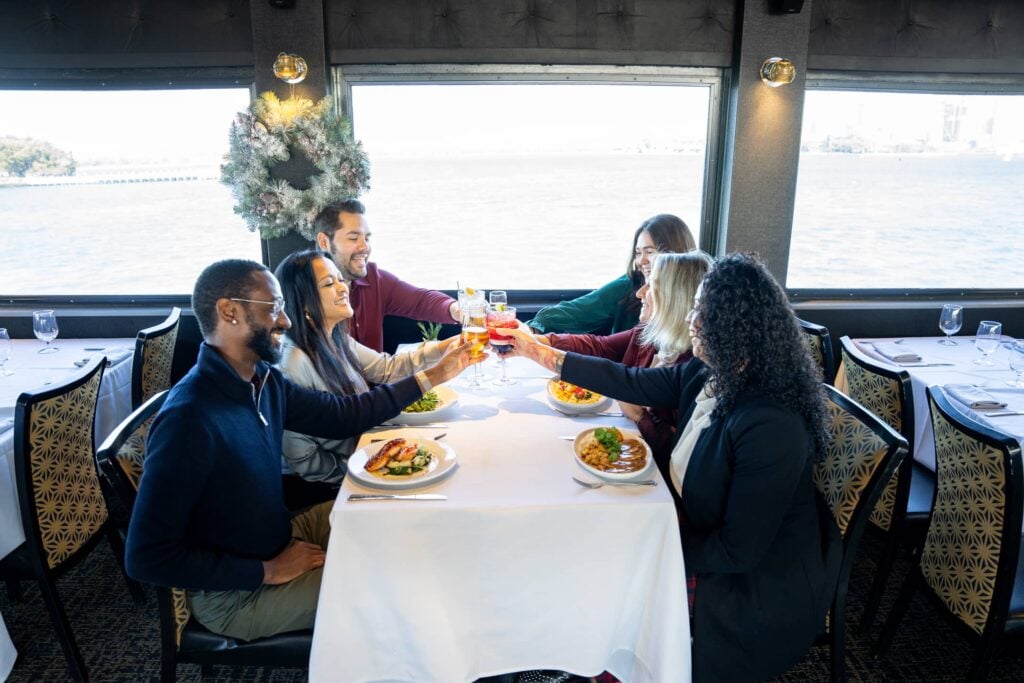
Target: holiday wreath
{"x":268,"y":133}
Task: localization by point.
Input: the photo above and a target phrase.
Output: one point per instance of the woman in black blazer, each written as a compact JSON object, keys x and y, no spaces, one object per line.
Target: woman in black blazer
{"x":752,"y":423}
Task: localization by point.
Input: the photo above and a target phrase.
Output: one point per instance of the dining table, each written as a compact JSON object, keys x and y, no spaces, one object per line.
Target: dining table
{"x":931,"y":363}
{"x":27,"y":369}
{"x":518,"y":567}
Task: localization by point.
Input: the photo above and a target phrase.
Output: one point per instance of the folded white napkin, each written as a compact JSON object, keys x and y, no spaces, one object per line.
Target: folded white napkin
{"x":977,"y":399}
{"x":5,"y":425}
{"x":896,"y":353}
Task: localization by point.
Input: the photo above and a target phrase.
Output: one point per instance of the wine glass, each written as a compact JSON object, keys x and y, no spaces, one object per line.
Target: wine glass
{"x":950,"y":322}
{"x":5,"y":352}
{"x":474,"y":329}
{"x":501,"y":316}
{"x":987,"y":340}
{"x":1017,"y":362}
{"x":498,"y":298}
{"x":44,"y":326}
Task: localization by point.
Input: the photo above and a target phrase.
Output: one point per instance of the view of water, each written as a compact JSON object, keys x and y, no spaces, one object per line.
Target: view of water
{"x":537,"y":222}
{"x":908,"y":221}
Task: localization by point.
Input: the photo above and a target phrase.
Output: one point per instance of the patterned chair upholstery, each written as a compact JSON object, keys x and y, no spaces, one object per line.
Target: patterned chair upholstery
{"x":970,"y":556}
{"x":907,"y":499}
{"x":63,"y":509}
{"x":861,"y":457}
{"x":154,"y":354}
{"x":820,"y":344}
{"x":182,"y":639}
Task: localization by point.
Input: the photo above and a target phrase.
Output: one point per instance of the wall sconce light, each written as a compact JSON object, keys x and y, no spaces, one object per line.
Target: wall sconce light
{"x":777,"y":71}
{"x":290,"y":68}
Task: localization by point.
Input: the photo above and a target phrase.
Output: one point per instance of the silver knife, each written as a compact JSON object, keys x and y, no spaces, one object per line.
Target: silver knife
{"x":924,"y":365}
{"x":425,"y":425}
{"x":394,"y":496}
{"x":1004,"y":413}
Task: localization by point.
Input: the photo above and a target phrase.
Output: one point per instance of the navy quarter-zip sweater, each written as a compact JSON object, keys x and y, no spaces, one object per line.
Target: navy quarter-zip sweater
{"x":210,"y":508}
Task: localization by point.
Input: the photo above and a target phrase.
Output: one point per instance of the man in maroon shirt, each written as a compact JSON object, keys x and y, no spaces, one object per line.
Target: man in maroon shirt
{"x":343,"y":231}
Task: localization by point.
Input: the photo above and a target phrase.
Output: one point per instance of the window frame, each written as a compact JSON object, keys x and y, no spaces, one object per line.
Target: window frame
{"x":115,"y":79}
{"x":343,"y":76}
{"x":953,"y":84}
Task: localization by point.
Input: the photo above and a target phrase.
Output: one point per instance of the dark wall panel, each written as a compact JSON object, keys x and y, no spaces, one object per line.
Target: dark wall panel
{"x":144,"y":33}
{"x":658,"y":32}
{"x":985,"y":36}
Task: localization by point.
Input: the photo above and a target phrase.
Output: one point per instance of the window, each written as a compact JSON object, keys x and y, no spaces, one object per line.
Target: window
{"x":115,"y":192}
{"x":909,"y":190}
{"x":526,"y":180}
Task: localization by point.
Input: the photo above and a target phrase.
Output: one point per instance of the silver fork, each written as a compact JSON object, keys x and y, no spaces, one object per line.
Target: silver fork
{"x":599,"y":484}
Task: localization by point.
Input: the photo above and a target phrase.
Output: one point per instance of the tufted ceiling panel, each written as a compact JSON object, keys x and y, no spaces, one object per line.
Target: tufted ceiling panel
{"x":585,"y":31}
{"x":148,"y":33}
{"x":918,"y":35}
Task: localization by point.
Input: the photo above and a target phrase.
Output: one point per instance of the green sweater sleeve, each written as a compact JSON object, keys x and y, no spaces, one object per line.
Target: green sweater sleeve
{"x":593,"y":313}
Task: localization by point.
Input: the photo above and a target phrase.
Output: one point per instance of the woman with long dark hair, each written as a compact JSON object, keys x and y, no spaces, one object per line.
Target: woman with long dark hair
{"x":614,"y":307}
{"x":764,"y":560}
{"x":320,"y":354}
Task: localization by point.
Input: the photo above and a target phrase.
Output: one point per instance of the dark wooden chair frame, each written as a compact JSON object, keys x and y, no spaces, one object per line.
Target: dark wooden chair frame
{"x":168,"y":326}
{"x":1010,"y":541}
{"x":28,"y":561}
{"x":910,"y":474}
{"x":198,"y":646}
{"x":828,"y":358}
{"x":895,"y":454}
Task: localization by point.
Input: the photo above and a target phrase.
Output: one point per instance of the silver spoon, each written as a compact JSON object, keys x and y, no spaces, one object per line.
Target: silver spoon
{"x":599,"y":484}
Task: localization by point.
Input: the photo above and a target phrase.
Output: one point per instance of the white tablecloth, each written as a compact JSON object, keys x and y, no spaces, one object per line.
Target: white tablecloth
{"x":33,"y":370}
{"x":941,"y":365}
{"x":519,"y":569}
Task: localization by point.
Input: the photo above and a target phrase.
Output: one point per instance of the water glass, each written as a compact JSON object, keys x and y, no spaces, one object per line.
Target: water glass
{"x":498,"y":298}
{"x":471,"y":298}
{"x":44,"y":326}
{"x":950,"y":322}
{"x":987,"y":340}
{"x":5,"y":352}
{"x":1017,"y":362}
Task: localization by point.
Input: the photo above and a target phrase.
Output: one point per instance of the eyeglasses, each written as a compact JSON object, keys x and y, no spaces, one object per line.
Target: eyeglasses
{"x":276,"y":311}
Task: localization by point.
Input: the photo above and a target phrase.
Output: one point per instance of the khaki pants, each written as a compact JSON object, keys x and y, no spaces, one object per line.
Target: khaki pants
{"x":269,"y":609}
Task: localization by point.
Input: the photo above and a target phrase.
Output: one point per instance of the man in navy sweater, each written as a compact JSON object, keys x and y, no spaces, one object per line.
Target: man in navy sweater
{"x":210,"y":515}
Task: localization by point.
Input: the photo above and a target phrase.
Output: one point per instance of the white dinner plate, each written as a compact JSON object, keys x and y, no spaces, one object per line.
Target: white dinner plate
{"x":448,"y":400}
{"x":627,"y":434}
{"x":440,"y":465}
{"x":575,"y":408}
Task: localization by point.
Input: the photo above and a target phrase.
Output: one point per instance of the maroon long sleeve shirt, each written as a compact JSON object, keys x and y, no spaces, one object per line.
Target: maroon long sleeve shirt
{"x":380,"y":293}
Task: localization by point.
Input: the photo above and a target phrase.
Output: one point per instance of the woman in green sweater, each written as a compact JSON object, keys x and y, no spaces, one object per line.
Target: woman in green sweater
{"x":615,"y":306}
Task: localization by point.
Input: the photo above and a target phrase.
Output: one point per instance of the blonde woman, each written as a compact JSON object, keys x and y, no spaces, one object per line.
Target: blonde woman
{"x":661,"y":339}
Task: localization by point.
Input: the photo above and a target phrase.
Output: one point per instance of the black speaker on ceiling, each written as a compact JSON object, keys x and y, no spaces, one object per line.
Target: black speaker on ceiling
{"x":785,"y":6}
{"x":285,"y":4}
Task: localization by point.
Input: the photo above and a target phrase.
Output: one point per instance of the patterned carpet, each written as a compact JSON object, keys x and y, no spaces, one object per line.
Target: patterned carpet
{"x":120,"y":641}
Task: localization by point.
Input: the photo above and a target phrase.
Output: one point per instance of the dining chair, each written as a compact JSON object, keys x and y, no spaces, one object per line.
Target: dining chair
{"x":970,"y":559}
{"x":63,"y":510}
{"x":906,"y":502}
{"x":821,"y":348}
{"x":182,"y":638}
{"x":860,"y":458}
{"x":154,"y":354}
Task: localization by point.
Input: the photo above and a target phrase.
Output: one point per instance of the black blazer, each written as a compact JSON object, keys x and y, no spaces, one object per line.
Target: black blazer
{"x":766,"y":562}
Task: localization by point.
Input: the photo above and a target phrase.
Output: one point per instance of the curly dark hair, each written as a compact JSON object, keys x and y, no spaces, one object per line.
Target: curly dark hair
{"x":752,"y":342}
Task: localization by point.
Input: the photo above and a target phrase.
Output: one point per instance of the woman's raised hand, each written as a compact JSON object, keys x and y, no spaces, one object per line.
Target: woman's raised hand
{"x":457,"y":357}
{"x":525,"y":344}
